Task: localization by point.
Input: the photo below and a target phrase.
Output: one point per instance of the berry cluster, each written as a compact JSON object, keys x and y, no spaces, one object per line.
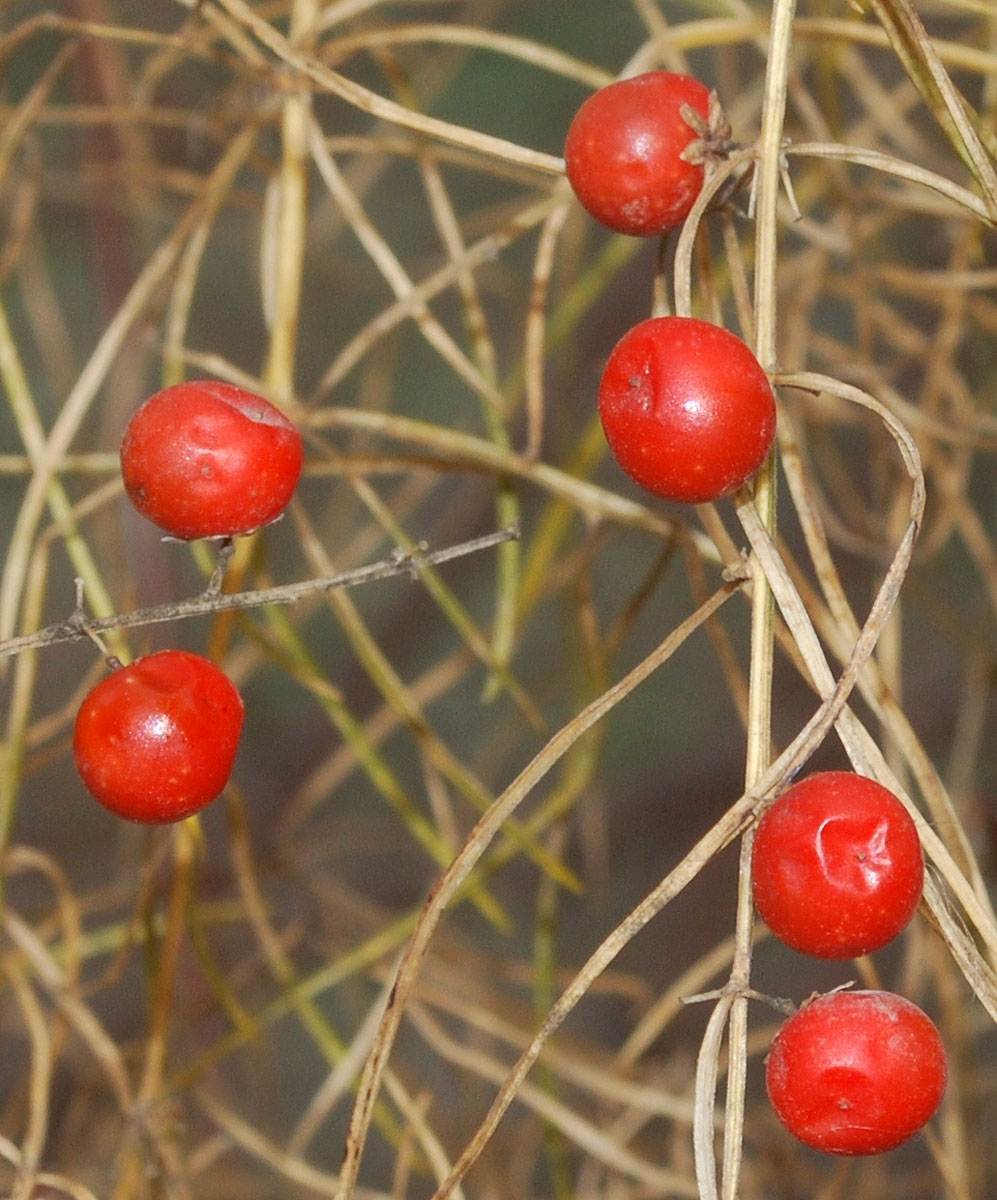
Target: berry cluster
{"x":837,"y":867}
{"x":155,"y":741}
{"x":686,"y":407}
{"x":836,"y":872}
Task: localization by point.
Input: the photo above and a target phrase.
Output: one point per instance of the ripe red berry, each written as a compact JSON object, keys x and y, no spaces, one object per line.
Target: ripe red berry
{"x":155,"y":741}
{"x":837,"y":867}
{"x":623,"y":152}
{"x":686,"y":408}
{"x":856,"y":1072}
{"x":206,"y":459}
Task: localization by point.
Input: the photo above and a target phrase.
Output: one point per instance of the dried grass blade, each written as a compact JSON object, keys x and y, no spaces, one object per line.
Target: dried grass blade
{"x":913,"y":47}
{"x":91,"y":1032}
{"x":379,"y":106}
{"x":451,"y":883}
{"x":704,"y":1123}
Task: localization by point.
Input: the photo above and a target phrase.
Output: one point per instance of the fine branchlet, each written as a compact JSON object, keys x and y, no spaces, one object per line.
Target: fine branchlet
{"x":79,"y":627}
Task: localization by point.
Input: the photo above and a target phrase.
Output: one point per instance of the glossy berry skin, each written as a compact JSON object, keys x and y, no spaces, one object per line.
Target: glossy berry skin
{"x":837,"y":867}
{"x":686,"y":408}
{"x":623,"y":152}
{"x":207,"y":459}
{"x":155,"y":741}
{"x":856,"y":1072}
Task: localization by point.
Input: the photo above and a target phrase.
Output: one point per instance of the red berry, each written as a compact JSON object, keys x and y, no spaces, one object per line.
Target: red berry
{"x":686,"y":408}
{"x":206,"y":459}
{"x":155,"y":741}
{"x":856,"y":1072}
{"x":837,"y":867}
{"x":623,"y":152}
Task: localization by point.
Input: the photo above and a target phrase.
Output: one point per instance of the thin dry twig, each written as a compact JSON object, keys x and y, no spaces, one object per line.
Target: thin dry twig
{"x":79,"y":626}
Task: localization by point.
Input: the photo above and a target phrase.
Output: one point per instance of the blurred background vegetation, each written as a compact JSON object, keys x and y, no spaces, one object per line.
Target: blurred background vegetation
{"x":249,"y":190}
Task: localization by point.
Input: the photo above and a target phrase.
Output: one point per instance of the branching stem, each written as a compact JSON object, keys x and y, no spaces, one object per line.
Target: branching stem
{"x":212,"y":601}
